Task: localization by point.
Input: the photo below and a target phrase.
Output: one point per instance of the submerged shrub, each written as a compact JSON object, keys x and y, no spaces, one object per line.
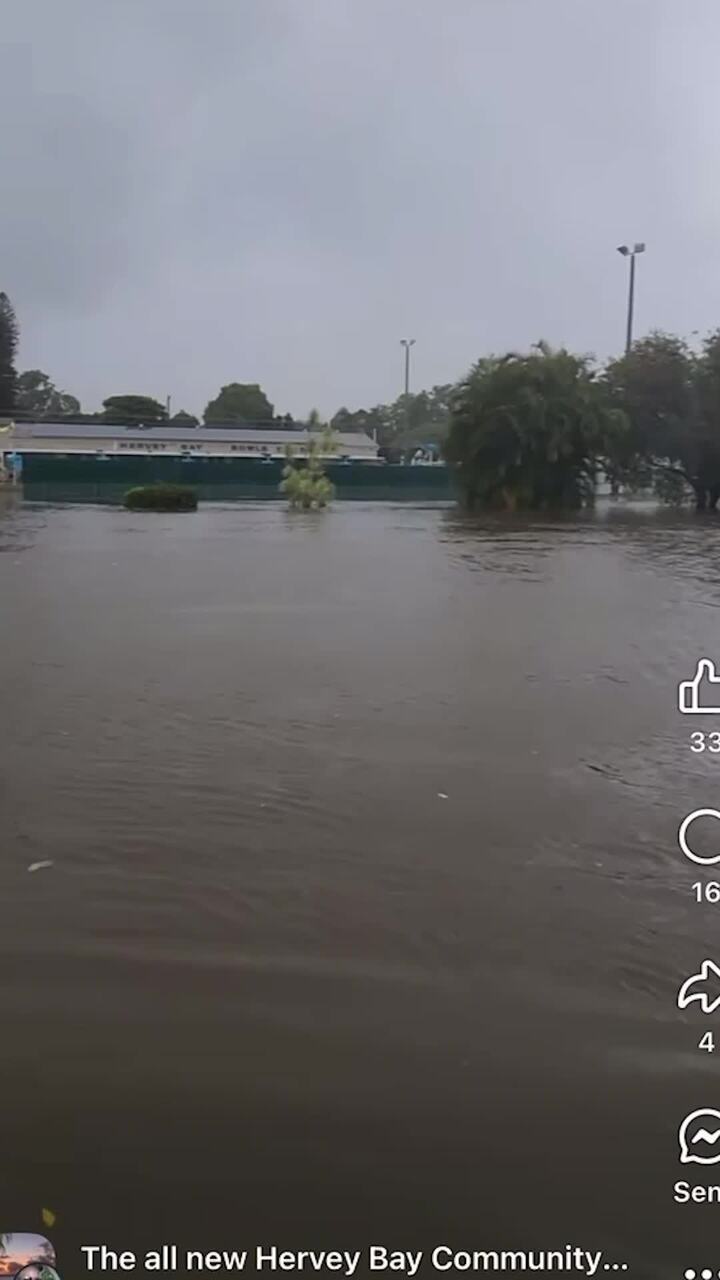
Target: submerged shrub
{"x":304,"y":490}
{"x":161,"y":497}
{"x":306,"y":486}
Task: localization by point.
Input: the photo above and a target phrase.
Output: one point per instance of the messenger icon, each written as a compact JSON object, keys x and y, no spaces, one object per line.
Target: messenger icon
{"x":699,"y":1137}
{"x":701,"y":695}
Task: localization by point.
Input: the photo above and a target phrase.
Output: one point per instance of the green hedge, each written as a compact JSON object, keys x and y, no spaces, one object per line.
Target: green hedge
{"x":161,"y":497}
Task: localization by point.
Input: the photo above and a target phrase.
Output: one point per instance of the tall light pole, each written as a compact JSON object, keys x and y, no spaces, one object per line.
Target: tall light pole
{"x":627,"y":252}
{"x":407,"y":343}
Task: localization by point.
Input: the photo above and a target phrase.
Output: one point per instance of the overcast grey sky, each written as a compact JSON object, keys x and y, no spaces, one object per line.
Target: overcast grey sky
{"x":204,"y":191}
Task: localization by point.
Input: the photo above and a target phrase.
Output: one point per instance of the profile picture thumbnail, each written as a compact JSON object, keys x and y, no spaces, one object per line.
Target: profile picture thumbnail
{"x":24,"y":1255}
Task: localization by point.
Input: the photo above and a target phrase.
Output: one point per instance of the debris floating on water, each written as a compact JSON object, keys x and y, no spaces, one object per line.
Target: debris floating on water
{"x":40,"y":866}
{"x":441,"y":795}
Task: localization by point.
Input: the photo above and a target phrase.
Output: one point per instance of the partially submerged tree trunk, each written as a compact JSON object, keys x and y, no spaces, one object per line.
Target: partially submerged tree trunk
{"x":701,"y":497}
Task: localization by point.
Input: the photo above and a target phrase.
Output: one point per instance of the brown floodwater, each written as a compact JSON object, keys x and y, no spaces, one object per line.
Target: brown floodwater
{"x":366,"y":917}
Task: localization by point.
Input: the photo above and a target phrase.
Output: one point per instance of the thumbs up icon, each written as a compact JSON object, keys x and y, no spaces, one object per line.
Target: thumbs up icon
{"x":699,"y":697}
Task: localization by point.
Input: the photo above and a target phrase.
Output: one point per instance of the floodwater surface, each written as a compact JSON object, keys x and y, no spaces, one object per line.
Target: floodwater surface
{"x":366,"y":916}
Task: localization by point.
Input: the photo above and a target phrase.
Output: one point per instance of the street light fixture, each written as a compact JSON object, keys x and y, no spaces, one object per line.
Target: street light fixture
{"x":407,"y":343}
{"x":627,"y":252}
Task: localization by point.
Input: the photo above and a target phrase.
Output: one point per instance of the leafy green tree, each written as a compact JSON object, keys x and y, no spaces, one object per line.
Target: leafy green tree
{"x":671,"y":397}
{"x":376,"y":421}
{"x":239,"y":402}
{"x":406,"y":423}
{"x":530,"y":431}
{"x":344,"y":420}
{"x":140,"y":409}
{"x":420,"y":419}
{"x":707,"y":409}
{"x":9,"y":334}
{"x":184,"y":419}
{"x":38,"y":396}
{"x":368,"y":421}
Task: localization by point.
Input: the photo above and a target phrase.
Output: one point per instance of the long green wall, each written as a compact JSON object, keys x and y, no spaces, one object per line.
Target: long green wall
{"x":85,"y":477}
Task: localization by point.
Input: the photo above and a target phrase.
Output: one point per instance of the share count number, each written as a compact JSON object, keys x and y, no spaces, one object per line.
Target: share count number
{"x":707,"y":1042}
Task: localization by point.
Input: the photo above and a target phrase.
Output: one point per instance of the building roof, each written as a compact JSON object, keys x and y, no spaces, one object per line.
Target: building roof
{"x":184,"y":435}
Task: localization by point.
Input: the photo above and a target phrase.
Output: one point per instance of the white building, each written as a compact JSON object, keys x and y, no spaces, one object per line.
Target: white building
{"x":226,"y":442}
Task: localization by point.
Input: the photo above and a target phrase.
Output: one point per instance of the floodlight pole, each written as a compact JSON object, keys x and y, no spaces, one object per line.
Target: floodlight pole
{"x":631,"y":254}
{"x":407,"y":343}
{"x":631,"y":305}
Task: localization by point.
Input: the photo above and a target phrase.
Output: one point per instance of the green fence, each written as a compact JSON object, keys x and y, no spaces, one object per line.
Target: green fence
{"x":88,"y":478}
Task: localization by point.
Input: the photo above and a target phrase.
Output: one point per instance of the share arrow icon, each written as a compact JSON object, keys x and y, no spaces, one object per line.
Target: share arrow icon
{"x":702,"y":988}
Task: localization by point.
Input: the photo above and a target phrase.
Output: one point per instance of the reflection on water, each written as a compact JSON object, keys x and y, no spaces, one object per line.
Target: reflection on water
{"x":366,"y":917}
{"x":421,"y":488}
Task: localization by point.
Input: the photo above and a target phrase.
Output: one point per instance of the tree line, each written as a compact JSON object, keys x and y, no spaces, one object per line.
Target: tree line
{"x":536,"y":430}
{"x":530,"y":430}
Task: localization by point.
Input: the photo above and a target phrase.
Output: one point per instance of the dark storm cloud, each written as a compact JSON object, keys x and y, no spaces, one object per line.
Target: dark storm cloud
{"x":278,"y":190}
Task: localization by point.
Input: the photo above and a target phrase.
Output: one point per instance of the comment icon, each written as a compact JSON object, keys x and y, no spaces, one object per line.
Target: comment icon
{"x":688,"y":832}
